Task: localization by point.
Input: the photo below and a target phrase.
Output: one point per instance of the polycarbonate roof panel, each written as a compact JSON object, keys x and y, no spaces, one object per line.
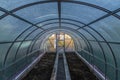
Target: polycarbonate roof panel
{"x":118,"y":13}
{"x":27,"y":32}
{"x":33,"y":34}
{"x":69,"y":25}
{"x":49,"y":25}
{"x":83,"y":13}
{"x":109,"y":28}
{"x":11,"y":4}
{"x":3,"y":50}
{"x":11,"y":55}
{"x":98,"y":37}
{"x":11,"y":27}
{"x":86,"y":34}
{"x":1,"y":13}
{"x":108,"y":4}
{"x":97,"y":51}
{"x":71,"y":21}
{"x":108,"y":54}
{"x":116,"y":49}
{"x":47,"y":22}
{"x":23,"y":50}
{"x":39,"y":12}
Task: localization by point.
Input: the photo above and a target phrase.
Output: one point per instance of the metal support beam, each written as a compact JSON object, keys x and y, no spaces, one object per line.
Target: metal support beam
{"x":59,"y":12}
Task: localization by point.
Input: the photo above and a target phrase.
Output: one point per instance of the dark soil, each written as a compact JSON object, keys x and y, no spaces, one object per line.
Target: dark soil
{"x":43,"y":70}
{"x":78,"y":70}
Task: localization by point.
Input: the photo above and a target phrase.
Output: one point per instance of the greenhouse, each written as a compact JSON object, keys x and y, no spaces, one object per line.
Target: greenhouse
{"x":66,"y":34}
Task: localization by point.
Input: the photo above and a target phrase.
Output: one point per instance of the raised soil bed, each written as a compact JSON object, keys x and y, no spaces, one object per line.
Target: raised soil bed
{"x":78,"y":70}
{"x":43,"y":70}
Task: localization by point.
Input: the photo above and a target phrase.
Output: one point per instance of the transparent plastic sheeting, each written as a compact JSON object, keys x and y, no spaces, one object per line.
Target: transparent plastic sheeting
{"x":96,"y":22}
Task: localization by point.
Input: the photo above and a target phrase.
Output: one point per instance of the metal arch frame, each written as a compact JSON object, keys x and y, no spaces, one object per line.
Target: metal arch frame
{"x":45,"y":24}
{"x":59,"y":5}
{"x":70,"y":1}
{"x":111,"y":13}
{"x":55,"y":31}
{"x":86,"y":42}
{"x":17,"y":48}
{"x":62,"y":19}
{"x":13,"y":44}
{"x":18,"y":17}
{"x":75,"y":25}
{"x":22,"y":42}
{"x":66,"y":23}
{"x":97,"y":40}
{"x":108,"y":46}
{"x":12,"y":41}
{"x":79,"y":35}
{"x":105,"y":16}
{"x":41,"y":2}
{"x":57,"y":27}
{"x":63,"y":22}
{"x":116,"y":66}
{"x":76,"y":2}
{"x":41,"y":33}
{"x":100,"y":47}
{"x":54,"y":28}
{"x":99,"y":8}
{"x":89,"y":33}
{"x":117,"y":43}
{"x":73,"y":35}
{"x":26,"y":5}
{"x":17,"y":38}
{"x":19,"y":45}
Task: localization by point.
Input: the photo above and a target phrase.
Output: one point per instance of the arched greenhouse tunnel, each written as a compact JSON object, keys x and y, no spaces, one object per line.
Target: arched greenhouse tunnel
{"x":74,"y":37}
